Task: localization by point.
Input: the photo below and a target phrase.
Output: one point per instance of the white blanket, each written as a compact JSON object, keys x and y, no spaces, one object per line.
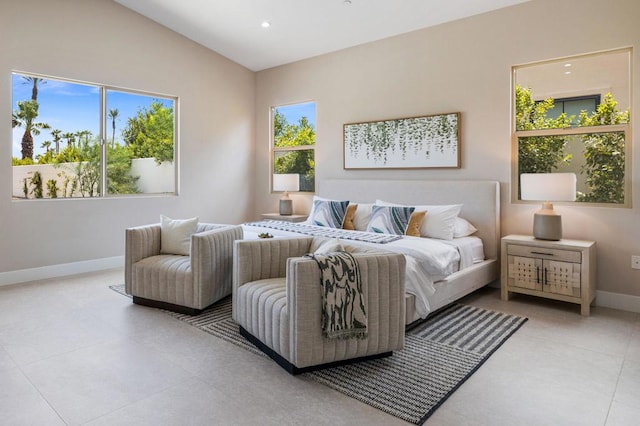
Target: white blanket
{"x":428,"y":260}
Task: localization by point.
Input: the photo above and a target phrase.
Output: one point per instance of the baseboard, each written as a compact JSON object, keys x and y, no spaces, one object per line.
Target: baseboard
{"x":623,"y":302}
{"x":61,"y":270}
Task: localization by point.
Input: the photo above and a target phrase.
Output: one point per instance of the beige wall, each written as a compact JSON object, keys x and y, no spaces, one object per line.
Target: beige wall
{"x":464,"y":66}
{"x":103,"y":42}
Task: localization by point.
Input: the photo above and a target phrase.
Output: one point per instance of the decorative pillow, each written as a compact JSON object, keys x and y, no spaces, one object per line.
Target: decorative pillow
{"x":330,"y":245}
{"x":389,"y":219}
{"x":463,"y":228}
{"x":348,"y":217}
{"x":329,"y":213}
{"x":362,"y":216}
{"x":415,"y":222}
{"x":175,"y":235}
{"x":440,"y":221}
{"x":315,"y":198}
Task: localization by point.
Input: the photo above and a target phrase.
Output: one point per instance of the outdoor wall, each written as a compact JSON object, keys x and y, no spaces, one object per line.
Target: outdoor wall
{"x":102,"y":42}
{"x":464,"y":66}
{"x":153,"y":178}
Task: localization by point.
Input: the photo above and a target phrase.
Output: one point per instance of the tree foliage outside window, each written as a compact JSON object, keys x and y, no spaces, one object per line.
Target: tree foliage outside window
{"x":545,"y":152}
{"x":67,"y":162}
{"x":294,"y":144}
{"x":539,"y":154}
{"x":150,"y":133}
{"x":604,"y":154}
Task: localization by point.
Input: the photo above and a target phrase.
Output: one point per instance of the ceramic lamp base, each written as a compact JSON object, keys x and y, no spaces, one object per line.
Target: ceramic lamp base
{"x":547,"y":227}
{"x":286,"y":207}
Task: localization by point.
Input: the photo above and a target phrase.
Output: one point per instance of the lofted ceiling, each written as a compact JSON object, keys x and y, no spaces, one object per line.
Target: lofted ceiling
{"x":300,"y":29}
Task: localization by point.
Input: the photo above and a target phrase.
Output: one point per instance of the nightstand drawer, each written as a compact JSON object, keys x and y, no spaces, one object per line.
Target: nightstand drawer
{"x":544,"y":253}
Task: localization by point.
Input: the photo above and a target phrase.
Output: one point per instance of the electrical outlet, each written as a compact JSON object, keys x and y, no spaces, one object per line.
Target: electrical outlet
{"x":635,"y":262}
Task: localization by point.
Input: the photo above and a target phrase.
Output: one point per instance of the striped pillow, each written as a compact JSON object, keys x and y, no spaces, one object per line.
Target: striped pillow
{"x":389,"y":219}
{"x":329,"y":213}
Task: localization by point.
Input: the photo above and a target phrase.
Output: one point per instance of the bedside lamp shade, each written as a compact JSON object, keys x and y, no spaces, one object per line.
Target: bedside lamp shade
{"x":286,"y":182}
{"x":547,"y":187}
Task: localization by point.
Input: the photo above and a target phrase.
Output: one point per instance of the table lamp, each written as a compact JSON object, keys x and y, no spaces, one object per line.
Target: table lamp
{"x":286,"y":182}
{"x":547,"y":187}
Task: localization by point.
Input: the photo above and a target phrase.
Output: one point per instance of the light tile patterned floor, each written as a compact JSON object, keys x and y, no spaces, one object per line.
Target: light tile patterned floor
{"x":74,"y":352}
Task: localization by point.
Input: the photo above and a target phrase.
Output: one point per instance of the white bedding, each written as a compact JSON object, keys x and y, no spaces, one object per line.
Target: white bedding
{"x":428,"y":260}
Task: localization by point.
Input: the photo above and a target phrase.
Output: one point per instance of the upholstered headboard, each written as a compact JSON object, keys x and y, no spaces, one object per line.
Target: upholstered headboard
{"x":480,"y":199}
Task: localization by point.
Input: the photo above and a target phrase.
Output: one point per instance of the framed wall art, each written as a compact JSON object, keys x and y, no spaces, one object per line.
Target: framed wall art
{"x":431,"y":141}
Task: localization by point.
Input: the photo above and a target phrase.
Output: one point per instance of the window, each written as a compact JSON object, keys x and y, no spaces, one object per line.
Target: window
{"x":573,"y":106}
{"x":293,"y":144}
{"x":572,"y":115}
{"x":79,"y":140}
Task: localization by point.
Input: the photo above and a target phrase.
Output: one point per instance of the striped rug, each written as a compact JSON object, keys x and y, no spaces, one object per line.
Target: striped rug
{"x":439,"y":355}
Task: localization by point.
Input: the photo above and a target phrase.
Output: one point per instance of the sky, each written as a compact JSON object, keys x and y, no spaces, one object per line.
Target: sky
{"x":73,"y":107}
{"x":294,"y":112}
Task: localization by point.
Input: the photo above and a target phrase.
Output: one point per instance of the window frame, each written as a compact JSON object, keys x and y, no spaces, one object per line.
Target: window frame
{"x":274,"y":151}
{"x":572,"y":131}
{"x":103,"y":90}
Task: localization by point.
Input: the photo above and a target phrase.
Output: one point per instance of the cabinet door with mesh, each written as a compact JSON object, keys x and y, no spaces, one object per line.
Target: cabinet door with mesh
{"x":525,"y":272}
{"x":562,"y":278}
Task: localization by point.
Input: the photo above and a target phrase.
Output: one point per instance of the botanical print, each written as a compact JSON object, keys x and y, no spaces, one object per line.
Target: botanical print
{"x":430,"y":141}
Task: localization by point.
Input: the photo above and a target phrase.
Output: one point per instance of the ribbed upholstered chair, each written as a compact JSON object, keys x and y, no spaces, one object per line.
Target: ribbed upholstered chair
{"x":277,"y":301}
{"x":185,"y":284}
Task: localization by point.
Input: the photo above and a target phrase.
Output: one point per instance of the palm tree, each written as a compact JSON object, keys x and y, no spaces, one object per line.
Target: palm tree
{"x":83,"y":138}
{"x":25,"y":115}
{"x":70,"y":137}
{"x":56,"y":139}
{"x":46,"y":145}
{"x":34,"y":88}
{"x":113,"y":114}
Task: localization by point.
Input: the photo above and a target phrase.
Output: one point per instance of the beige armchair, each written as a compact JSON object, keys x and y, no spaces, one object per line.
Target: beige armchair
{"x":277,"y":301}
{"x":185,"y":284}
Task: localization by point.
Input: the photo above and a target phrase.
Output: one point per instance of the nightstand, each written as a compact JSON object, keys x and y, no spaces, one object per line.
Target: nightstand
{"x":289,"y":218}
{"x":561,"y":270}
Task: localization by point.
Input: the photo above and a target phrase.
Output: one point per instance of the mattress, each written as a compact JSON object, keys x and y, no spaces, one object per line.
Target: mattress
{"x":428,"y":260}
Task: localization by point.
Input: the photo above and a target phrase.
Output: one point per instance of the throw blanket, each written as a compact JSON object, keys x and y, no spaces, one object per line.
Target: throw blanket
{"x":344,"y":315}
{"x":324,"y":231}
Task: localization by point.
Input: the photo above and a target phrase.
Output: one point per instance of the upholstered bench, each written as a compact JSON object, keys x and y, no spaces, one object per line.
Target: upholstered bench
{"x":181,"y":283}
{"x":277,"y":301}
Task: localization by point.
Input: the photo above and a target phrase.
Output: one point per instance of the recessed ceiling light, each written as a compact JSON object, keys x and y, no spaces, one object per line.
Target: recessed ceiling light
{"x":567,"y":72}
{"x":265,"y":24}
{"x":567,"y":65}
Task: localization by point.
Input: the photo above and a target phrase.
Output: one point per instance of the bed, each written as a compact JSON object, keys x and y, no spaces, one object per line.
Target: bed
{"x":480,"y":206}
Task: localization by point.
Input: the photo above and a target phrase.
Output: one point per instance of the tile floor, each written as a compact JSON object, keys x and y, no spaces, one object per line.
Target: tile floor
{"x":74,"y":352}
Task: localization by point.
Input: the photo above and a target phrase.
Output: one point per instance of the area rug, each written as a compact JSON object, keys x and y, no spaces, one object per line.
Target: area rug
{"x":439,"y":355}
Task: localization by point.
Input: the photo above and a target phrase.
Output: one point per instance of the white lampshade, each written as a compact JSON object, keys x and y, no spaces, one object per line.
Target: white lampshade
{"x":547,"y":224}
{"x":548,"y":186}
{"x":286,"y":182}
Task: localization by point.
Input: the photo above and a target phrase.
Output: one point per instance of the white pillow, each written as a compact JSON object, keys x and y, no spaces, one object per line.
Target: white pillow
{"x":175,"y":235}
{"x":330,"y":245}
{"x":439,"y":221}
{"x":362,"y":216}
{"x":463,"y":228}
